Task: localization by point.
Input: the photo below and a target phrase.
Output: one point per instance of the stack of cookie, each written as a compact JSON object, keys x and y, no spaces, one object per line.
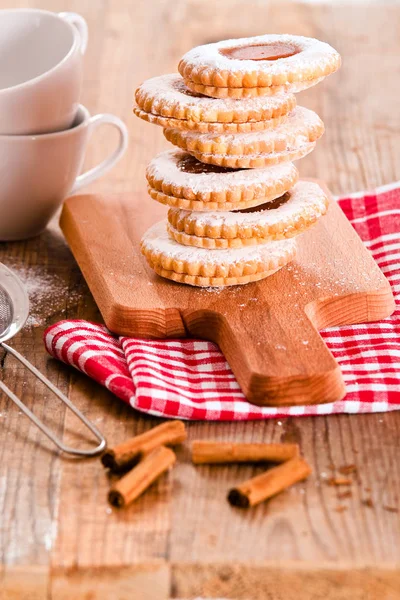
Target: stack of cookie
{"x":235,"y":201}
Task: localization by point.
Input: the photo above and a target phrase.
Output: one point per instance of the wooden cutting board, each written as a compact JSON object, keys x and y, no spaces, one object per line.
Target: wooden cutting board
{"x":267,"y":330}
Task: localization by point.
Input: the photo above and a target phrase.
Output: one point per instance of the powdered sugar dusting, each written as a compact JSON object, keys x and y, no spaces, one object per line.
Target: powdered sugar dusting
{"x":164,"y":167}
{"x":48,"y":292}
{"x":156,"y":239}
{"x":313,"y":54}
{"x":300,"y":86}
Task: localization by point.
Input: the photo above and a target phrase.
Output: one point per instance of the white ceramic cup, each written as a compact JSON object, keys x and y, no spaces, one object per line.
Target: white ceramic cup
{"x":37,"y":172}
{"x":41,"y":56}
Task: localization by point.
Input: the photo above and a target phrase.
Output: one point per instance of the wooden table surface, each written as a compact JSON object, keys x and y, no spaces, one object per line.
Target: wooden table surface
{"x":58,"y":537}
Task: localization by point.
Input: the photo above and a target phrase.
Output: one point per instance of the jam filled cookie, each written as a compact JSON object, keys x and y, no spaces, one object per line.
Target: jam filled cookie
{"x":202,"y":267}
{"x":265,"y":64}
{"x":200,"y":127}
{"x":290,"y":141}
{"x":286,"y":217}
{"x":255,"y":161}
{"x":247,"y":93}
{"x":302,"y":127}
{"x":177,"y":179}
{"x":166,"y":101}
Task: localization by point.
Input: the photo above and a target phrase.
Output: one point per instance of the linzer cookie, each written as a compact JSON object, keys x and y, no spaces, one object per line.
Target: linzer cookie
{"x":290,"y":141}
{"x":178,"y":179}
{"x":247,"y":93}
{"x":302,"y":127}
{"x":262,"y":65}
{"x":201,"y":127}
{"x":166,"y":101}
{"x":201,"y":267}
{"x":255,"y":161}
{"x":286,"y":217}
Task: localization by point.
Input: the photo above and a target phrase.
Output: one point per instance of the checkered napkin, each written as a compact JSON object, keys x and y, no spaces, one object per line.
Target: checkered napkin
{"x":190,"y":379}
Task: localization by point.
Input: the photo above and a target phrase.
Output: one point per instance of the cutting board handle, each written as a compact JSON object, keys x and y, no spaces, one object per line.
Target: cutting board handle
{"x":277,"y":361}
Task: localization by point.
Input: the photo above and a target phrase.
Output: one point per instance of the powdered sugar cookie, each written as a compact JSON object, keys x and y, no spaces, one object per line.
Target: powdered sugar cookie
{"x":287,"y":216}
{"x":260,"y":62}
{"x":201,"y":267}
{"x":255,"y":161}
{"x":301,"y":127}
{"x":171,"y":123}
{"x":168,"y":97}
{"x":194,"y":185}
{"x":247,"y":93}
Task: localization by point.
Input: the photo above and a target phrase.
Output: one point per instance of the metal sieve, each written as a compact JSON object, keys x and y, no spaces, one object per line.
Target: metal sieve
{"x":14,"y":310}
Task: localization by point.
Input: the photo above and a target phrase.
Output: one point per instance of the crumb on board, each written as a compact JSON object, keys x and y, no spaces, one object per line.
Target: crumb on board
{"x":339,"y":481}
{"x":392,"y":509}
{"x":344,"y":495}
{"x":347,"y":469}
{"x":368,"y":502}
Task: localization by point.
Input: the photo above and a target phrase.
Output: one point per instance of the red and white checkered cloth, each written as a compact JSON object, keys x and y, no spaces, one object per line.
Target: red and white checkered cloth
{"x":190,"y":379}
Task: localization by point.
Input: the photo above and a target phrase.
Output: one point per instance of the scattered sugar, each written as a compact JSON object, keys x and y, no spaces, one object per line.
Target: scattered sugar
{"x":45,"y":290}
{"x":213,"y":290}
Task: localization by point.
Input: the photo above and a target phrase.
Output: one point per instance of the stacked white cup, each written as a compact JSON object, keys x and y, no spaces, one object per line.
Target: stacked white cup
{"x":44,"y":129}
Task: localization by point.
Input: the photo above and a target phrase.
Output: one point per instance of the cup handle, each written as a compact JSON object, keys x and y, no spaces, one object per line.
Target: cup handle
{"x":79,"y":22}
{"x":109,"y":162}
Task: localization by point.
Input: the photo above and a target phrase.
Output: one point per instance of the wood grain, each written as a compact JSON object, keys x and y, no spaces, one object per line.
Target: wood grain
{"x":56,"y":535}
{"x":266,"y":329}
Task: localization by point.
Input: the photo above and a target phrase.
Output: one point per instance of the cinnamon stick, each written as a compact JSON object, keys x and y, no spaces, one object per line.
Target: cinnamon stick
{"x":206,"y":452}
{"x":126,"y":455}
{"x":134,"y":483}
{"x":270,"y":483}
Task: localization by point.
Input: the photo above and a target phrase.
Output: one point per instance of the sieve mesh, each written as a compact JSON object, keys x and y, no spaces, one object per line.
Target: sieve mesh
{"x":14,"y":305}
{"x":6,"y":311}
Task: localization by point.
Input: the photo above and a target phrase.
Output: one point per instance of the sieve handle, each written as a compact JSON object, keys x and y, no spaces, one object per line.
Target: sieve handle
{"x":64,"y":399}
